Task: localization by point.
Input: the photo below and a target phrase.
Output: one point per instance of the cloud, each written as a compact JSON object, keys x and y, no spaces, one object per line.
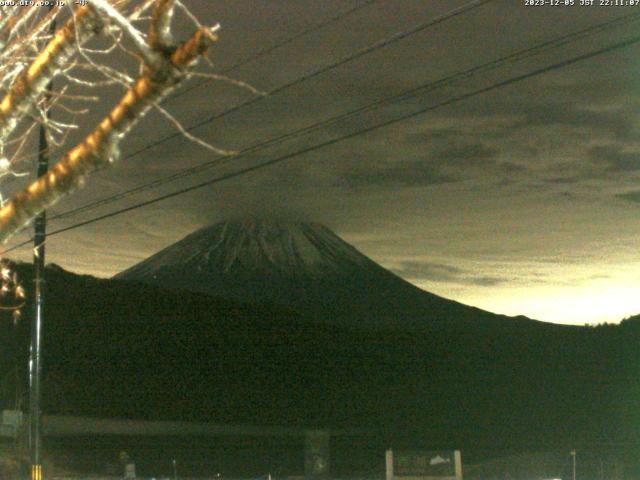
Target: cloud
{"x":467,"y":154}
{"x":614,"y":159}
{"x":615,"y":121}
{"x":442,"y":273}
{"x":464,"y":148}
{"x":402,"y":174}
{"x":633,"y":196}
{"x":466,"y":159}
{"x":563,"y":180}
{"x":454,"y":145}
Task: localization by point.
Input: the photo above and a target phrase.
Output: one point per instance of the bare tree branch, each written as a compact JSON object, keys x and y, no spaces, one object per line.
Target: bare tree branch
{"x":160,"y":38}
{"x":33,"y":81}
{"x":148,"y":54}
{"x":100,"y":147}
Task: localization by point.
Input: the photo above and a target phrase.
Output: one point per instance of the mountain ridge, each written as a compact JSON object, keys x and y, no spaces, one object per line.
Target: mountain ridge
{"x":301,"y":265}
{"x":116,"y":349}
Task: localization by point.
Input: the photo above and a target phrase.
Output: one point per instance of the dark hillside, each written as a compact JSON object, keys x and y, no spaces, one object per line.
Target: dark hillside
{"x":122,"y":350}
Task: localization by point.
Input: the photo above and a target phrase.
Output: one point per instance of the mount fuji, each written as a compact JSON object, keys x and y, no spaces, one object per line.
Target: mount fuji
{"x":300,"y":265}
{"x":313,"y":333}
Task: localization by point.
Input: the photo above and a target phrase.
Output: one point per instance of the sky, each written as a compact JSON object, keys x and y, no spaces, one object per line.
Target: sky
{"x":523,"y":200}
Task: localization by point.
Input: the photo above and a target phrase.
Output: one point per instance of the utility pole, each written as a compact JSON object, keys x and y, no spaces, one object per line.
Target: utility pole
{"x":35,"y":352}
{"x":35,"y":360}
{"x":573,"y":455}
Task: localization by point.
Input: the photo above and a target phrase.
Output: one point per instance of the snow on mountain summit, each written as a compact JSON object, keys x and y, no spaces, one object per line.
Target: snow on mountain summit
{"x":255,"y":245}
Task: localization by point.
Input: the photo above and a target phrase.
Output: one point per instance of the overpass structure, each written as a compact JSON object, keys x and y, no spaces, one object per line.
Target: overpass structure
{"x":316,"y":441}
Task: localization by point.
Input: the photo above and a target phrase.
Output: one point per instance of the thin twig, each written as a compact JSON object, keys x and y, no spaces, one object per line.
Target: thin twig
{"x":191,"y":137}
{"x":232,"y":81}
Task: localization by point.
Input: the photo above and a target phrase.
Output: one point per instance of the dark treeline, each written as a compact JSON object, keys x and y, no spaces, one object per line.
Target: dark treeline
{"x":116,"y":349}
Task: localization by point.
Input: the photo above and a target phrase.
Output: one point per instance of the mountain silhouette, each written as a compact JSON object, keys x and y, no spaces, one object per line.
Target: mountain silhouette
{"x":426,"y":372}
{"x":300,"y":265}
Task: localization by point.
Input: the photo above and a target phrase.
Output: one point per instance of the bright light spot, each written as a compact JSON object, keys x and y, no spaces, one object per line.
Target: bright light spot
{"x":571,"y":294}
{"x":593,"y":303}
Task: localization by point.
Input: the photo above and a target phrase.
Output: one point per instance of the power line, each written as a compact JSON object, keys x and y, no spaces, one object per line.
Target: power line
{"x":359,"y":53}
{"x":452,"y":100}
{"x":364,"y":51}
{"x":266,"y":51}
{"x":349,"y":58}
{"x":375,"y":46}
{"x":424,"y":88}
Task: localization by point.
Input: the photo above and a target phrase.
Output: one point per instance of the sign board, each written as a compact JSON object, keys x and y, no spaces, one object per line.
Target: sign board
{"x":424,"y":465}
{"x":13,"y":418}
{"x":316,"y":455}
{"x":130,"y":470}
